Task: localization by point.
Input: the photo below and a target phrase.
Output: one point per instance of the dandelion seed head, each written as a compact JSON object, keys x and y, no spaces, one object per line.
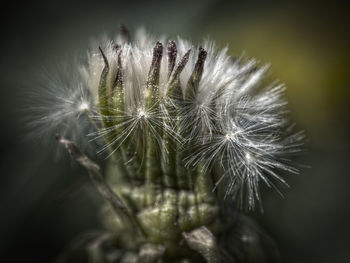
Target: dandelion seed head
{"x":214,"y":105}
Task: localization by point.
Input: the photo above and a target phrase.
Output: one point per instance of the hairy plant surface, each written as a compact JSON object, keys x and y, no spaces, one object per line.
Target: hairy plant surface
{"x":190,"y":135}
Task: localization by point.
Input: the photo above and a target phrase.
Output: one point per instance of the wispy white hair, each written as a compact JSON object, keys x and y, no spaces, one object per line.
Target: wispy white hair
{"x":229,"y":122}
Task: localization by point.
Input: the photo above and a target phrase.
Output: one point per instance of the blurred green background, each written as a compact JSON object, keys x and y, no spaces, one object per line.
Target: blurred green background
{"x":45,"y":202}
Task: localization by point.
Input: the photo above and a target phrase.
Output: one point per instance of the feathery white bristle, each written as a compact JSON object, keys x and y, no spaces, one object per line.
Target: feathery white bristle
{"x":231,"y":122}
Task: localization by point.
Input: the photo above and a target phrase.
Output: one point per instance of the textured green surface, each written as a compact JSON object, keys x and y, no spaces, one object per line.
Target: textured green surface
{"x":175,"y":214}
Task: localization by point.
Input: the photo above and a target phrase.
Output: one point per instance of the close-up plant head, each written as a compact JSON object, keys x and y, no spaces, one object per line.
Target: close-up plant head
{"x":190,"y":131}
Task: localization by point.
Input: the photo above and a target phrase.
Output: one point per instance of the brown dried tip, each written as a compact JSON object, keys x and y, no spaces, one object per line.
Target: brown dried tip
{"x":153,"y":75}
{"x":157,"y":55}
{"x":198,"y":68}
{"x":181,"y":65}
{"x":124,"y":32}
{"x":71,"y":147}
{"x":172,"y":52}
{"x":183,"y":62}
{"x":193,"y":82}
{"x":104,"y":58}
{"x":119,"y":76}
{"x":116,"y":47}
{"x":202,"y":55}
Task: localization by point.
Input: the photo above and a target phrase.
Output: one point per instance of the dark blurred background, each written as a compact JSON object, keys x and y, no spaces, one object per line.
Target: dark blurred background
{"x":44,"y":202}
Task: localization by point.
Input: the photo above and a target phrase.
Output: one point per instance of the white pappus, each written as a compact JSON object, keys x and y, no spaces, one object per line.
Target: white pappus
{"x":221,"y":116}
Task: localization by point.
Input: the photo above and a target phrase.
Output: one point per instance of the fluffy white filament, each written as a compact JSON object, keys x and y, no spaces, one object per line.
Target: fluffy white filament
{"x":235,"y":125}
